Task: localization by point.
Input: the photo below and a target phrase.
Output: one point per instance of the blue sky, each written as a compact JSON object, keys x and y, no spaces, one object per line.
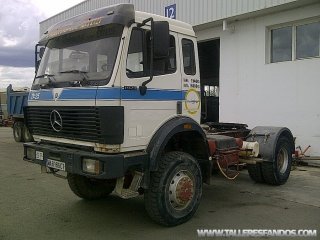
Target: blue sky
{"x":19,"y":32}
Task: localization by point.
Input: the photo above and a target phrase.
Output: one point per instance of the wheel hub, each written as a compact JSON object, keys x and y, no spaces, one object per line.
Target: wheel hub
{"x":283,"y":160}
{"x":181,"y":190}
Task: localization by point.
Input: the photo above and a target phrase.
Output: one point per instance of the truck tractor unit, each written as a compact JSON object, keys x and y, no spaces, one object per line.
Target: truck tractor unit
{"x":115,"y":106}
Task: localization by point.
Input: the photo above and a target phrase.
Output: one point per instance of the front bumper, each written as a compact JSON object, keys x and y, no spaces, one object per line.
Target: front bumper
{"x":111,"y":165}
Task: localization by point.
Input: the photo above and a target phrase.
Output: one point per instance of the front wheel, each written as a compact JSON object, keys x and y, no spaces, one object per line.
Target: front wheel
{"x":175,"y":189}
{"x":88,"y":188}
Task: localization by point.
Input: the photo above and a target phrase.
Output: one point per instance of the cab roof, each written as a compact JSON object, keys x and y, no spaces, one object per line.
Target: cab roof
{"x":174,"y":25}
{"x":123,"y":14}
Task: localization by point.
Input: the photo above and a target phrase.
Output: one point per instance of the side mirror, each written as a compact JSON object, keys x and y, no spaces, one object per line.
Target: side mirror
{"x":38,"y":54}
{"x":41,"y":52}
{"x":160,"y":45}
{"x":161,"y":39}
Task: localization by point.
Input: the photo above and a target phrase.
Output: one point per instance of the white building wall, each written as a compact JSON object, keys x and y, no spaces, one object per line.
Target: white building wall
{"x":256,"y":92}
{"x":198,"y":12}
{"x":194,"y":12}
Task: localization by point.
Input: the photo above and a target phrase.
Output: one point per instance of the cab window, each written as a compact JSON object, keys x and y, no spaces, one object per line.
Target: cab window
{"x":138,"y":59}
{"x":189,"y":63}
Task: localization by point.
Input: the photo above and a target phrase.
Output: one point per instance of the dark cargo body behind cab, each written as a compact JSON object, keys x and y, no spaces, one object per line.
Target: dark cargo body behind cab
{"x":16,"y":101}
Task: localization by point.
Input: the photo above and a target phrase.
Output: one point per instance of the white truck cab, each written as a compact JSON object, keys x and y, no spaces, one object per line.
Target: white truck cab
{"x":79,"y":69}
{"x":116,"y":105}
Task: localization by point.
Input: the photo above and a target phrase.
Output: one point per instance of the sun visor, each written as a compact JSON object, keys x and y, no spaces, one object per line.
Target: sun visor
{"x":122,"y":14}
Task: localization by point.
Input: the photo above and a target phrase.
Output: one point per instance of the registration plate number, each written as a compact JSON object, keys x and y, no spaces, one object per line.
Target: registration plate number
{"x":39,"y":155}
{"x":56,"y":165}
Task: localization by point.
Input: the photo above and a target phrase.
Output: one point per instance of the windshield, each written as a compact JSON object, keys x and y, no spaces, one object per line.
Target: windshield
{"x":83,"y":58}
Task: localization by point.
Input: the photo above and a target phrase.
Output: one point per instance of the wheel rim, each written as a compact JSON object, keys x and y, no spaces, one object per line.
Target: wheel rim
{"x":26,"y":135}
{"x":16,"y":132}
{"x":181,"y":190}
{"x":283,"y":159}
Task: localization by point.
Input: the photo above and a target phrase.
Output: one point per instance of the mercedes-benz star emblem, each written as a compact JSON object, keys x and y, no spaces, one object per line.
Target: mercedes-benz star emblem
{"x":56,"y":120}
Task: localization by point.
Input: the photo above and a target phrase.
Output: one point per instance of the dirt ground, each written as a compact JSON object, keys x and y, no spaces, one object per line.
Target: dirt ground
{"x":40,"y":206}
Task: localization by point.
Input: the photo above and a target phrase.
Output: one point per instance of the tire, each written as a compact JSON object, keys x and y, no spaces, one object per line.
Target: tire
{"x":178,"y":173}
{"x":26,"y":135}
{"x":255,"y":172}
{"x":17,"y":131}
{"x":90,"y":189}
{"x":278,"y":171}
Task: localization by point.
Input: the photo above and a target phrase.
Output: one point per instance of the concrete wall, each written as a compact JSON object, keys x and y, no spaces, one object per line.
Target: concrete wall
{"x":256,"y":92}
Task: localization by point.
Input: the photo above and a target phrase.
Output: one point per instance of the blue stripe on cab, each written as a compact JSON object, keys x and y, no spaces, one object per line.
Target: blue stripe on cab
{"x":70,"y":94}
{"x":44,"y":95}
{"x":108,"y":93}
{"x":152,"y":94}
{"x":114,"y":93}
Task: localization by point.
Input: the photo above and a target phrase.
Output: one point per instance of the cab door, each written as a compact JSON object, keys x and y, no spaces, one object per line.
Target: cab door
{"x":144,"y":114}
{"x":191,"y":106}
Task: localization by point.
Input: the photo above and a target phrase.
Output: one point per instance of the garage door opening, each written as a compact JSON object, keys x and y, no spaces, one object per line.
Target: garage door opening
{"x":209,"y":60}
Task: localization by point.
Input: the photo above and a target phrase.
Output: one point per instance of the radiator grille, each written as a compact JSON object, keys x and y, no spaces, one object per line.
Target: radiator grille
{"x":78,"y":123}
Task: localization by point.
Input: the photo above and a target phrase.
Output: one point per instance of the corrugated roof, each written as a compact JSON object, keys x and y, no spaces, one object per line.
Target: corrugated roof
{"x":195,"y":12}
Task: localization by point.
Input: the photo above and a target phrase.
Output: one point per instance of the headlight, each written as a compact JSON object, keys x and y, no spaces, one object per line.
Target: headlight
{"x":91,"y":166}
{"x":31,"y":153}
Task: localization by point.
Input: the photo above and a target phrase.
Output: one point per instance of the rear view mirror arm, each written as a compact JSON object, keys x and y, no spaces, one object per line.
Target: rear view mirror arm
{"x":143,"y":87}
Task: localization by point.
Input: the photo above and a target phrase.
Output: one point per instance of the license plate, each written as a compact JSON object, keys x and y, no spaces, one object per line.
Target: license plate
{"x":39,"y":155}
{"x":56,"y":165}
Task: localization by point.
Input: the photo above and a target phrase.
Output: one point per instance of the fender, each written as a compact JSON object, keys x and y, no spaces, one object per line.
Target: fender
{"x":267,"y":137}
{"x":166,"y":132}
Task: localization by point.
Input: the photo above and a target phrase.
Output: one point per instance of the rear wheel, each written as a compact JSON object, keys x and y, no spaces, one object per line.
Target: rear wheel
{"x":88,"y":188}
{"x":175,"y":189}
{"x":17,"y":131}
{"x":278,"y":171}
{"x":255,"y":172}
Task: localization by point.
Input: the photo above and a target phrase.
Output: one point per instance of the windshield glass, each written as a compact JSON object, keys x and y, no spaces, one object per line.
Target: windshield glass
{"x":83,"y":58}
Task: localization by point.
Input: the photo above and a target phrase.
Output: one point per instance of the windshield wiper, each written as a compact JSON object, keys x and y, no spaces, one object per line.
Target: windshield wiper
{"x":84,"y":79}
{"x":83,"y":73}
{"x":46,"y":75}
{"x":49,"y":78}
